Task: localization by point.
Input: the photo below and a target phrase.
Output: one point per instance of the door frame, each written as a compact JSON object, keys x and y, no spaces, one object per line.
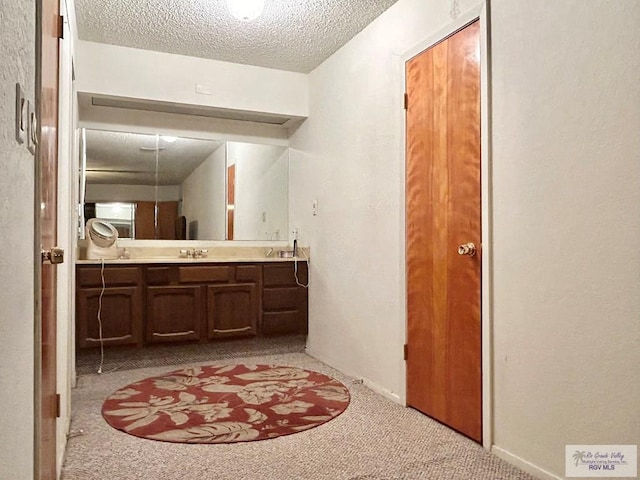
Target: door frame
{"x":481,"y":14}
{"x":46,"y":14}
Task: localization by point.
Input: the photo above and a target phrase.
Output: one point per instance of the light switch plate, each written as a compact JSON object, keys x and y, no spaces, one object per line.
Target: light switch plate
{"x":32,"y":128}
{"x":21,"y":115}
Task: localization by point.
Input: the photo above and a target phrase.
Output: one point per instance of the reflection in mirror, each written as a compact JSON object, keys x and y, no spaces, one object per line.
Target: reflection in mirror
{"x":185,"y":188}
{"x":259,"y":190}
{"x":120,"y":215}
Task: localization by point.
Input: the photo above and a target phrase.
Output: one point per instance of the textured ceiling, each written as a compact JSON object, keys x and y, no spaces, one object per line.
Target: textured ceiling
{"x":295,"y":35}
{"x":117,"y":158}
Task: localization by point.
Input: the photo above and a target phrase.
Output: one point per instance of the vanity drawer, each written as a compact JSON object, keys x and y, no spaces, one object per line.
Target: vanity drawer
{"x":113,"y":276}
{"x":280,"y":299}
{"x":159,"y":275}
{"x":284,"y":274}
{"x":247,"y":273}
{"x":204,"y":274}
{"x":275,"y":323}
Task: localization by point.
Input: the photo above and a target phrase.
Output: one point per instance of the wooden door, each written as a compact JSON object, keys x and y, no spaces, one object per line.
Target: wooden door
{"x":167,"y":216}
{"x":443,"y":213}
{"x":148,"y":227}
{"x":145,"y":220}
{"x":47,"y":14}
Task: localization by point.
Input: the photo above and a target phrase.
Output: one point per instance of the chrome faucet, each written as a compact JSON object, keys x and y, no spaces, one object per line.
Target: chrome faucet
{"x":194,"y":252}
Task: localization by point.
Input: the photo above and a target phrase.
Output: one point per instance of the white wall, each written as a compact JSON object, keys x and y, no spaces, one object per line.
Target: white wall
{"x":348,"y":155}
{"x":134,"y":73}
{"x":566,"y":216}
{"x":17,"y":51}
{"x":98,"y":192}
{"x":204,"y":197}
{"x":261,"y":202}
{"x":566,"y":170}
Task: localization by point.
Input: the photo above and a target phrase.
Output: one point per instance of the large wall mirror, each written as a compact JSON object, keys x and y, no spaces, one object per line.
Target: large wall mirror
{"x":175,"y":188}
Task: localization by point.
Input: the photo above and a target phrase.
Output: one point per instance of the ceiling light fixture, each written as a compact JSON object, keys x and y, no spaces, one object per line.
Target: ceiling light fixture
{"x":246,"y":10}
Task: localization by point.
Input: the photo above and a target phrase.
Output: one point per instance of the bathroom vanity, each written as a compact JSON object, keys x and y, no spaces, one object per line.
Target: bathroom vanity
{"x":223,"y":194}
{"x":150,"y":300}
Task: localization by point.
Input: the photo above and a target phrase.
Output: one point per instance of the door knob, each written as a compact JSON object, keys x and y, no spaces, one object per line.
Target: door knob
{"x":55,"y":256}
{"x":467,"y":249}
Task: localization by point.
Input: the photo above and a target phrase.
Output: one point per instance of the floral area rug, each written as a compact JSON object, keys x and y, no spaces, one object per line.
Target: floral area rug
{"x":226,"y":403}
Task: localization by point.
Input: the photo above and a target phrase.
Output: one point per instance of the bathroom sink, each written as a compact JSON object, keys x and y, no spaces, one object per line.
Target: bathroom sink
{"x":285,"y":254}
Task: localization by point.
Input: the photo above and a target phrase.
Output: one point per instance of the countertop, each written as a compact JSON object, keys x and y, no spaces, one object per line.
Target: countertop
{"x":171,"y":255}
{"x":124,"y":261}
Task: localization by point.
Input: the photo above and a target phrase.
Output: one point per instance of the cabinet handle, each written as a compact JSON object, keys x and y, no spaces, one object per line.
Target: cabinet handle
{"x":110,"y":339}
{"x":190,"y":332}
{"x":232,"y":330}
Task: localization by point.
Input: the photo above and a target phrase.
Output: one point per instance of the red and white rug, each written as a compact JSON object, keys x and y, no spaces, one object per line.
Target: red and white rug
{"x":226,"y":403}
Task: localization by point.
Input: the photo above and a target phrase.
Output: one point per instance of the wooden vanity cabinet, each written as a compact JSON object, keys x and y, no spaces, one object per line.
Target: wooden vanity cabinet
{"x":284,"y":301}
{"x":231,"y":298}
{"x":119,"y":306}
{"x":201,"y":302}
{"x":157,"y":303}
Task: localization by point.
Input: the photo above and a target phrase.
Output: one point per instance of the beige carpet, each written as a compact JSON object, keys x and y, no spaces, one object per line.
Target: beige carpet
{"x":374,"y":439}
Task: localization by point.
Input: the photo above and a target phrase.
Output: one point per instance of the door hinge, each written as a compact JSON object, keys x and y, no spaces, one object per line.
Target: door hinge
{"x":58,"y":407}
{"x":406,"y":101}
{"x":406,"y":351}
{"x":60,"y":27}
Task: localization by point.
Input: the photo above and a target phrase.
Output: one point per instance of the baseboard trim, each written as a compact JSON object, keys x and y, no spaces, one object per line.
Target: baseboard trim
{"x":313,"y":353}
{"x":388,"y":394}
{"x":61,"y":442}
{"x":523,"y":464}
{"x":380,"y":390}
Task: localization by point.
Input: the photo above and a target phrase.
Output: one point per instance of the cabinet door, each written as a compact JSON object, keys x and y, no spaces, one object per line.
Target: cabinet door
{"x":173,"y":313}
{"x":120,"y":315}
{"x":232,"y":310}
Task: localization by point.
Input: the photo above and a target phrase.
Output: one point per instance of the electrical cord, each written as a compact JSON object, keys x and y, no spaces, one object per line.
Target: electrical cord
{"x":100,"y":317}
{"x":295,"y":269}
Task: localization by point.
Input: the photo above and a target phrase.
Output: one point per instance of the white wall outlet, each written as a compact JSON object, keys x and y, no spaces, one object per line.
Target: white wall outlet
{"x":314,"y":208}
{"x":204,"y":89}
